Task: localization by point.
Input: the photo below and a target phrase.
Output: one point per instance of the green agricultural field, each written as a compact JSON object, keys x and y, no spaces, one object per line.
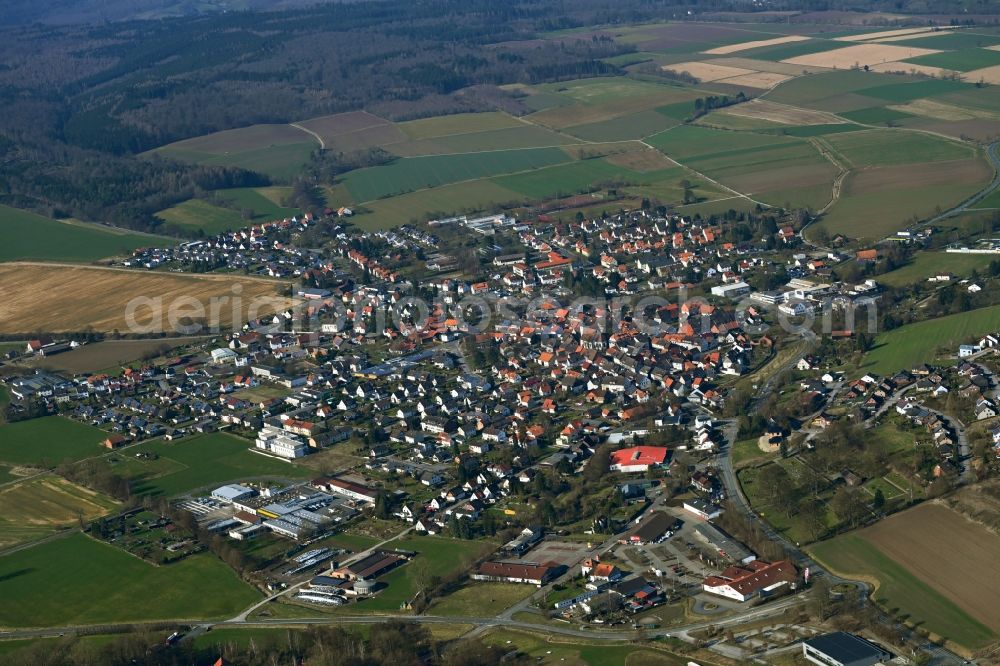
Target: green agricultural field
{"x":956,"y":40}
{"x":259,"y":201}
{"x":876,"y":115}
{"x":213,"y":219}
{"x":417,"y":173}
{"x":806,"y":131}
{"x":779,"y":52}
{"x":471,"y":196}
{"x":38,"y":506}
{"x":991,"y":200}
{"x":898,"y":93}
{"x":441,"y":557}
{"x":910,"y":345}
{"x":78,"y":580}
{"x":636,"y":126}
{"x":851,"y":554}
{"x":48,"y":441}
{"x":521,"y":136}
{"x":30,"y":236}
{"x":962,"y":61}
{"x":603,"y":653}
{"x":222,"y":637}
{"x":878,"y":202}
{"x":459,"y":123}
{"x":889,"y":147}
{"x":687,"y":142}
{"x":279,"y":151}
{"x":567,"y":179}
{"x":199,"y":462}
{"x":281,"y":161}
{"x":927,"y":264}
{"x":481,"y":599}
{"x":195,"y":214}
{"x":813,"y":90}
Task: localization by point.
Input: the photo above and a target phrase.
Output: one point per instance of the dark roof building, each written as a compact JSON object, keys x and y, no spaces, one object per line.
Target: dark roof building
{"x":513,"y":572}
{"x":653,"y":529}
{"x":843,"y":649}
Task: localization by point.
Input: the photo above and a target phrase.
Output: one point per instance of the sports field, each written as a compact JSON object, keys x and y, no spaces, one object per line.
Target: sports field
{"x":70,"y":298}
{"x":78,"y":580}
{"x":903,"y":553}
{"x":48,"y":441}
{"x":108,"y":354}
{"x":38,"y":506}
{"x":30,"y":236}
{"x":199,"y":462}
{"x":441,"y":556}
{"x":913,"y":344}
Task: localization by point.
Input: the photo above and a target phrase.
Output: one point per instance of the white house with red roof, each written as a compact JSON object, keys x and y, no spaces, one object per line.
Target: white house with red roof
{"x":638,"y":458}
{"x":750,"y":580}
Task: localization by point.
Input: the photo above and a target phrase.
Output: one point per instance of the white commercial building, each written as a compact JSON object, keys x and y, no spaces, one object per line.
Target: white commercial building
{"x":281,"y":443}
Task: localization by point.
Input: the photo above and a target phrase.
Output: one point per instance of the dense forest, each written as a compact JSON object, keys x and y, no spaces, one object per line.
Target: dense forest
{"x":82,"y":101}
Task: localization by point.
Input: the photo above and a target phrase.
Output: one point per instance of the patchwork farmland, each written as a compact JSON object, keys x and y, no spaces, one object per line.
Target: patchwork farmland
{"x":876,"y":103}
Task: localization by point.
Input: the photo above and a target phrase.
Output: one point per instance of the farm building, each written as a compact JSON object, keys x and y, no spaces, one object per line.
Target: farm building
{"x":514,"y":572}
{"x":115,"y":441}
{"x":378,"y":563}
{"x":843,"y":649}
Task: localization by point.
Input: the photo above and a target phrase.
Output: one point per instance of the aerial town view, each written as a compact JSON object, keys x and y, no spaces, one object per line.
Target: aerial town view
{"x":631,"y":333}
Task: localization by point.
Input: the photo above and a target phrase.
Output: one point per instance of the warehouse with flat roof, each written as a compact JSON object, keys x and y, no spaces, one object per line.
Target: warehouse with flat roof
{"x":843,"y":649}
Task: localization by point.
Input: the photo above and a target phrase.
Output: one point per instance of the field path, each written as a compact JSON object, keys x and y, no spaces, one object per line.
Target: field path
{"x":736,"y":193}
{"x":322,"y":144}
{"x":842,"y":171}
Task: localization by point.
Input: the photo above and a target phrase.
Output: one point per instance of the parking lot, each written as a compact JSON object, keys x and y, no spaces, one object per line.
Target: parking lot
{"x":548,"y":551}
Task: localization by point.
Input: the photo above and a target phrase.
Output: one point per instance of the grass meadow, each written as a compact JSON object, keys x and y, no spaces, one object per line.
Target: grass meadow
{"x":27,"y":235}
{"x":910,"y":345}
{"x":48,"y":441}
{"x":78,"y":580}
{"x":38,"y":506}
{"x":199,"y":462}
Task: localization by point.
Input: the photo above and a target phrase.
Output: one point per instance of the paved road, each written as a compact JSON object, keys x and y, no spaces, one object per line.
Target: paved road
{"x":769,"y":610}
